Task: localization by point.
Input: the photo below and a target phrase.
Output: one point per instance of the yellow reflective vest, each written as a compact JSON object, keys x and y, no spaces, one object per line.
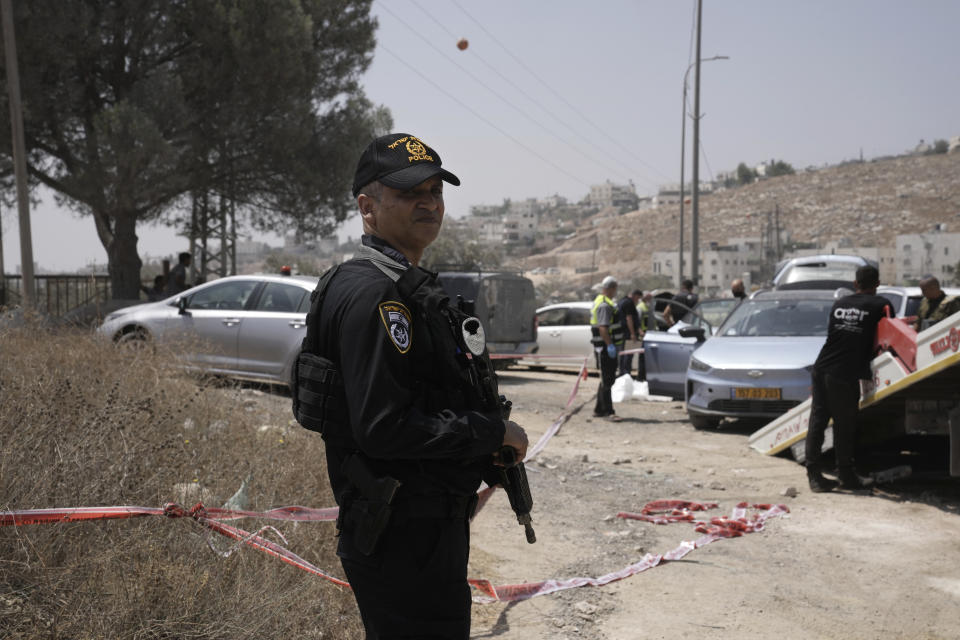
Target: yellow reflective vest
{"x":617,"y":333}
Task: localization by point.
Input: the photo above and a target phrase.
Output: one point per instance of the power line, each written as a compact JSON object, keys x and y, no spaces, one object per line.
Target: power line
{"x":488,"y":122}
{"x":508,"y":102}
{"x":559,"y":95}
{"x":537,"y":103}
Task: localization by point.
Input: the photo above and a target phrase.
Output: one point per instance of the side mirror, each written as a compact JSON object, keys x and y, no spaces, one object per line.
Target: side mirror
{"x":693,"y":332}
{"x":182,"y":306}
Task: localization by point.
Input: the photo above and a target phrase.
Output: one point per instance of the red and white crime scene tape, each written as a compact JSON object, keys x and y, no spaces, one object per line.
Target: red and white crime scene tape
{"x":717,"y":528}
{"x":212,"y":518}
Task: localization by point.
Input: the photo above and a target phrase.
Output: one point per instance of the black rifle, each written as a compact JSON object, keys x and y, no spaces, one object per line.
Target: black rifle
{"x":512,"y":475}
{"x":513,"y":479}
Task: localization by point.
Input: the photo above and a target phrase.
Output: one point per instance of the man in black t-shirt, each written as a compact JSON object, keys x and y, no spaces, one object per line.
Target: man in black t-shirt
{"x":687,"y":299}
{"x":627,"y":310}
{"x":844,"y":360}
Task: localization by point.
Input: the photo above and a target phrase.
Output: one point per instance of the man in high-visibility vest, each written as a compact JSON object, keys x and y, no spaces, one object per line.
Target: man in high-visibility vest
{"x":606,"y":329}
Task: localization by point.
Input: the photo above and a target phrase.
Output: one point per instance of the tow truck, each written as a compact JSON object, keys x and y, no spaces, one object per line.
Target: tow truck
{"x":915,"y":390}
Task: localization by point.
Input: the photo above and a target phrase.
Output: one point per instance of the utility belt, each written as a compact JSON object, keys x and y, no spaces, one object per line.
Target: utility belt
{"x":618,"y":335}
{"x":372,"y":501}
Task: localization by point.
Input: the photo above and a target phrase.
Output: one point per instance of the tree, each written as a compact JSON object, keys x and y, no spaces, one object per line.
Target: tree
{"x":455,"y":246}
{"x":940,"y":146}
{"x":131,"y":106}
{"x":780,"y":168}
{"x":745,"y":175}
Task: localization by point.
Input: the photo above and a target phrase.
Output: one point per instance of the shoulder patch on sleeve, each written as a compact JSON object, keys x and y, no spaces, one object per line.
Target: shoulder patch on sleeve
{"x":396,"y":318}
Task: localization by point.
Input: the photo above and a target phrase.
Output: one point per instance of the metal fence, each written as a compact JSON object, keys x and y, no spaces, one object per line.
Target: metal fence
{"x":57,"y":295}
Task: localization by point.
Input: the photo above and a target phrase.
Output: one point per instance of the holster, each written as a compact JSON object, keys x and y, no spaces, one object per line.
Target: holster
{"x":366,"y":516}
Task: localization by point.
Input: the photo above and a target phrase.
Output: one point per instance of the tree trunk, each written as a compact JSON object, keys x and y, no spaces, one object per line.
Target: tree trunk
{"x":123,"y":260}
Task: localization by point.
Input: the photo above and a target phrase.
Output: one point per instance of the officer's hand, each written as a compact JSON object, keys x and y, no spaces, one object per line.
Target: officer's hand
{"x":612,"y":350}
{"x":514,"y":436}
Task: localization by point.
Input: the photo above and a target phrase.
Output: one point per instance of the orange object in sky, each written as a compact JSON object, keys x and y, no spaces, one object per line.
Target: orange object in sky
{"x":462,"y":44}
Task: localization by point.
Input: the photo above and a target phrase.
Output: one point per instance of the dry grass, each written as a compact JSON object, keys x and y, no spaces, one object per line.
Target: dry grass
{"x":86,"y":424}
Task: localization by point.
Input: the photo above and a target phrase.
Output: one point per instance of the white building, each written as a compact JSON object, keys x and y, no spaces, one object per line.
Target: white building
{"x":521,"y":221}
{"x":718,"y":264}
{"x":935,"y":253}
{"x":609,"y":194}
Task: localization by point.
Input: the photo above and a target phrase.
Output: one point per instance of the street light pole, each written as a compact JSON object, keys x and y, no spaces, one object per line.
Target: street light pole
{"x":695,"y":218}
{"x":683,"y":146}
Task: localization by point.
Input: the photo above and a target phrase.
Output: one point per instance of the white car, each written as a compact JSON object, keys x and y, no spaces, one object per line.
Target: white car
{"x":563,"y":334}
{"x":828,"y":271}
{"x":906,"y":300}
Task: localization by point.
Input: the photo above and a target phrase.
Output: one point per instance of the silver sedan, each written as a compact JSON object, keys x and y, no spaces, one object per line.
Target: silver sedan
{"x":758,"y":364}
{"x":247,"y":327}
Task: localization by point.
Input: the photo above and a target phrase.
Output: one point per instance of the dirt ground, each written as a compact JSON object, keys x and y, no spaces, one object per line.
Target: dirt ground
{"x":881,"y":564}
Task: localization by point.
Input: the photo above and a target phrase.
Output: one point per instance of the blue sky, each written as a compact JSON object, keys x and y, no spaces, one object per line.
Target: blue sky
{"x":552,"y":97}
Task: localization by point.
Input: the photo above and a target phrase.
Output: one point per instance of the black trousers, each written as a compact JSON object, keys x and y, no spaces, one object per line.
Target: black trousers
{"x":608,"y":375}
{"x":415,"y":583}
{"x":838,"y":398}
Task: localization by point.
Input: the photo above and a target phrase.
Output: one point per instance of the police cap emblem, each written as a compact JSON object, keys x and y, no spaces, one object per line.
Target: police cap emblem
{"x":396,"y":319}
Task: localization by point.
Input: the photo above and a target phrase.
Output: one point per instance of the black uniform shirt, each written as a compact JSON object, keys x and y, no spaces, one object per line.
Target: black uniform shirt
{"x":851,"y":334}
{"x":379,"y":346}
{"x":687,"y":298}
{"x":626,"y":307}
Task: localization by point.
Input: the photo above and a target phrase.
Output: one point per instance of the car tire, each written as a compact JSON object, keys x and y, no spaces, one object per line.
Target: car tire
{"x":135,"y":338}
{"x":700,"y":421}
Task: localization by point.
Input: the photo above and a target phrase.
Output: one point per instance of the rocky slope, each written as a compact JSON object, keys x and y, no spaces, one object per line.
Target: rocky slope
{"x":866,"y":204}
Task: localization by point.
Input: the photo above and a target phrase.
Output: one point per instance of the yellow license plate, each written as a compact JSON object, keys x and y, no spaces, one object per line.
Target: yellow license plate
{"x":755,"y":393}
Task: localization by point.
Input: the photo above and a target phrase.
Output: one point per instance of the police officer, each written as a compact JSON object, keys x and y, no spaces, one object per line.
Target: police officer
{"x":936,"y":304}
{"x":844,"y":360}
{"x":687,"y":300}
{"x":607,"y":338}
{"x":630,"y":316}
{"x":399,"y":384}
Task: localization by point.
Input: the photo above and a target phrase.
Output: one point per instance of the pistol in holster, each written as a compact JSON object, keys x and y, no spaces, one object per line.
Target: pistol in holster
{"x":366,"y":516}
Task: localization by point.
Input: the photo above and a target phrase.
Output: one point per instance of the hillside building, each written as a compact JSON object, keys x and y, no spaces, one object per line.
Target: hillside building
{"x":718,"y":264}
{"x":619,"y":196}
{"x":935,"y":253}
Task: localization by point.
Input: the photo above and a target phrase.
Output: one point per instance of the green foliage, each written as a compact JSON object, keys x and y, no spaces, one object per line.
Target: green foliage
{"x":745,"y":175}
{"x":130,"y":105}
{"x":941,"y":146}
{"x":457,"y":246}
{"x":780,"y":168}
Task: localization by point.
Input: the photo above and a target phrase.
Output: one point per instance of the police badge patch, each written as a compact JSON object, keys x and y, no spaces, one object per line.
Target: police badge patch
{"x":396,"y":318}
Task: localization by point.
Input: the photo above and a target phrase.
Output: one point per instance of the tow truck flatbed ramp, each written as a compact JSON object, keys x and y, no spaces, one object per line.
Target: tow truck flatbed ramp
{"x":915,"y":386}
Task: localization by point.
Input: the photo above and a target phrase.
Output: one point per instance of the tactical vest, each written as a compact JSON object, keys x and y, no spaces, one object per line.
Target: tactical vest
{"x":617,"y":333}
{"x":450,"y":364}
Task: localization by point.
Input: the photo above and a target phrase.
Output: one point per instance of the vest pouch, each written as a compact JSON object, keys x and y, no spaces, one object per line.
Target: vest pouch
{"x":319,"y":400}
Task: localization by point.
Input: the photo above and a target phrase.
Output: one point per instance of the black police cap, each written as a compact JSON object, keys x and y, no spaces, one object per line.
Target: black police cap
{"x":401,"y":161}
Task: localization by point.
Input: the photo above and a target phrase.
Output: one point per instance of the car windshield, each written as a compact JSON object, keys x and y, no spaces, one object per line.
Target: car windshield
{"x":820,"y":271}
{"x":713,"y":311}
{"x":784,"y":317}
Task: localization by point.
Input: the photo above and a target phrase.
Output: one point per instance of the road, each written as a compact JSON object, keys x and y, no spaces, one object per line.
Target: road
{"x":841,"y":565}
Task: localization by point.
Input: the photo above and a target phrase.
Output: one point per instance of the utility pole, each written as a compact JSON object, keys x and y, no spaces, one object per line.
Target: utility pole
{"x":777,"y":218}
{"x":19,"y":155}
{"x":3,"y":273}
{"x":683,"y":146}
{"x":695,"y":218}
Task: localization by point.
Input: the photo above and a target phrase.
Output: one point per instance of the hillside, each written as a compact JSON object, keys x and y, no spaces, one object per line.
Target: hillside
{"x":867,"y":204}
